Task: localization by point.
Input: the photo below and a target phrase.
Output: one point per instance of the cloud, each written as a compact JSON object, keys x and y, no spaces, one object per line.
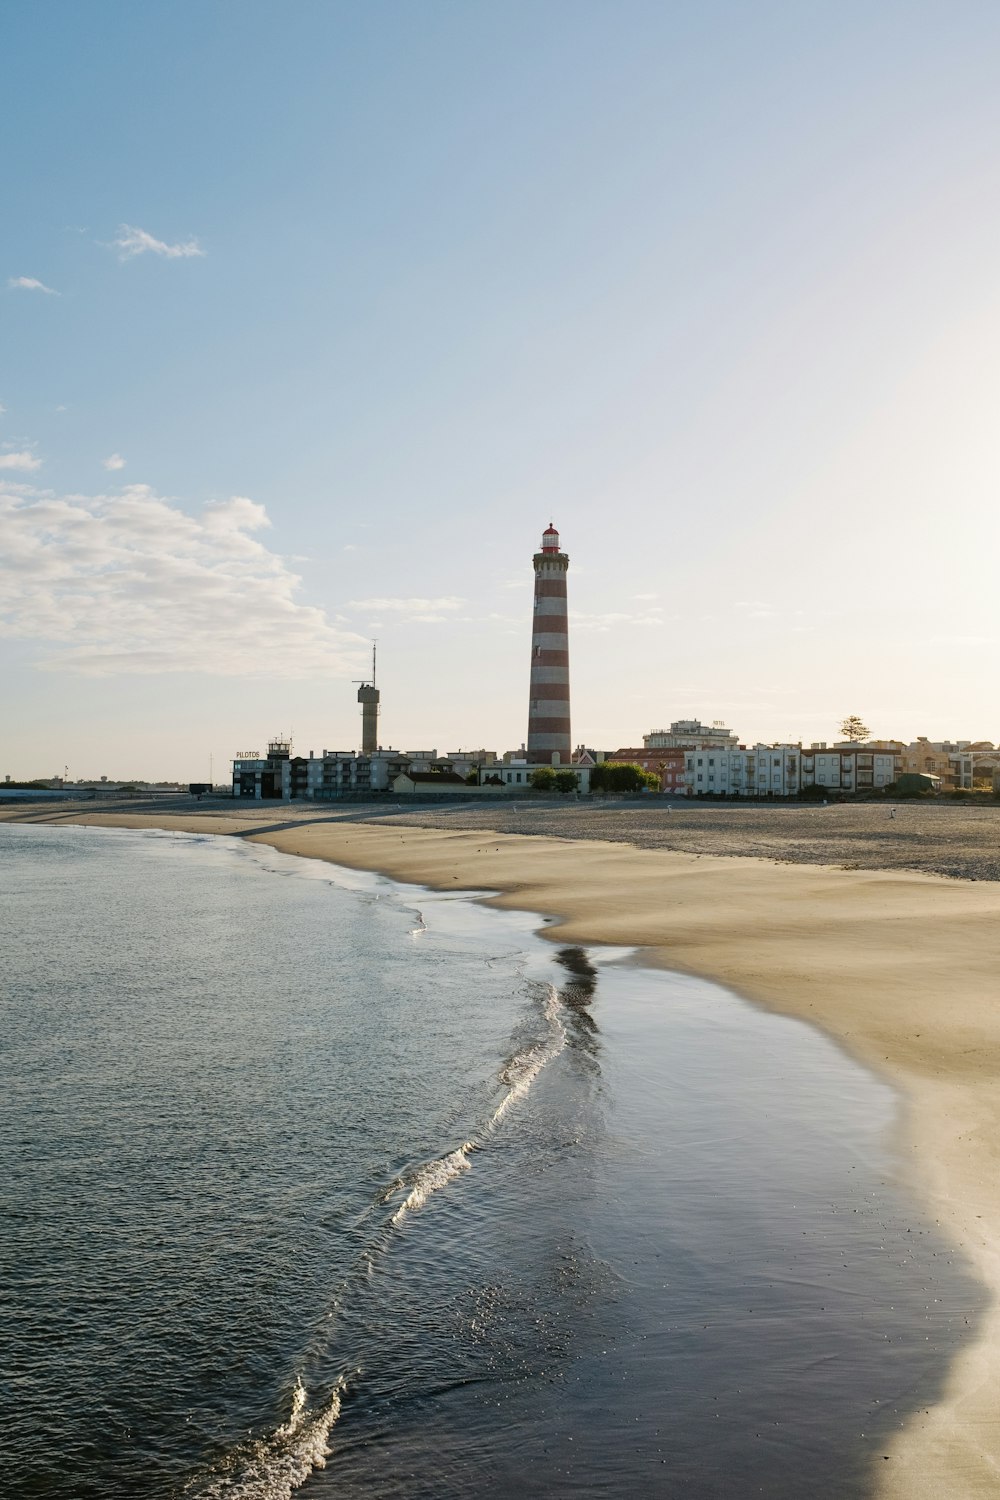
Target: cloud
{"x":29,"y":284}
{"x":115,"y":461}
{"x":613,"y":619}
{"x":132,"y":241}
{"x":426,"y":611}
{"x":2,"y":408}
{"x":131,"y":583}
{"x":23,"y":461}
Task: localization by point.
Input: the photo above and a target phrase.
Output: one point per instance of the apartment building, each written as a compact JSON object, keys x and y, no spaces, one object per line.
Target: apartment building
{"x":690,"y":734}
{"x":757,"y":771}
{"x":667,"y":764}
{"x":334,"y":774}
{"x":784,"y":770}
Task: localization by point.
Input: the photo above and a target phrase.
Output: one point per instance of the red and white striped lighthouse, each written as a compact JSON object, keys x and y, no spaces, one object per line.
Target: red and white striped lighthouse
{"x":549,"y":740}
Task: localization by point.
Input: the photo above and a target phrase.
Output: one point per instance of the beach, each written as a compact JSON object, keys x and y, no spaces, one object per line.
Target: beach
{"x":897,"y":963}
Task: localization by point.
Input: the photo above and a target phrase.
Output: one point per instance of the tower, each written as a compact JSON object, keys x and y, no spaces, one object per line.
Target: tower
{"x":549,"y":740}
{"x":368,"y":697}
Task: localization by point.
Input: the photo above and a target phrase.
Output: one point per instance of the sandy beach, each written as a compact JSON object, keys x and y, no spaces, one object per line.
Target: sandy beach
{"x":897,"y":964}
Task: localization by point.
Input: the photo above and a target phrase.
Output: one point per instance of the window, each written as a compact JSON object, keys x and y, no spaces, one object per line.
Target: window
{"x":700,"y":776}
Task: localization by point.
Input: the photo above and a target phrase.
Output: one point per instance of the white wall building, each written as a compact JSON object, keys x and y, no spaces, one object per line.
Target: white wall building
{"x":783,"y":770}
{"x":689,"y":732}
{"x":759,"y":771}
{"x":336,"y":773}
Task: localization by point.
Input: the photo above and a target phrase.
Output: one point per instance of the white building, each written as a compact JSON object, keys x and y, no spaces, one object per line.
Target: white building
{"x":280,"y":776}
{"x":784,"y":770}
{"x":760,"y":771}
{"x":689,"y":732}
{"x":850,"y":768}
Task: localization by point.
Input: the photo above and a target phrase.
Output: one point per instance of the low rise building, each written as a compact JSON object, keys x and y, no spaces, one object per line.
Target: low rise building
{"x":434,"y":784}
{"x":327,"y":777}
{"x":758,"y":771}
{"x":690,"y":734}
{"x":785,"y":770}
{"x":668,"y":764}
{"x":922,"y":758}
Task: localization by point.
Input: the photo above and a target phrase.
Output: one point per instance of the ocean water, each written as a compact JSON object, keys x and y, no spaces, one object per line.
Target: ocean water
{"x":314,"y":1183}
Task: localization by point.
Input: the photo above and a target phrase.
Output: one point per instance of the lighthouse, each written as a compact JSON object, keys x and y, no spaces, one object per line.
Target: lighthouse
{"x":549,"y":741}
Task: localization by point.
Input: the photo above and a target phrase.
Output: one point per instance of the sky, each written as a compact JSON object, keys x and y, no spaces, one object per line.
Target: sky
{"x":312,"y":317}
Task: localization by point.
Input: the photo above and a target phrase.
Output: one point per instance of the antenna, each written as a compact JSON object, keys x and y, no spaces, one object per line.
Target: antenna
{"x":368,"y":681}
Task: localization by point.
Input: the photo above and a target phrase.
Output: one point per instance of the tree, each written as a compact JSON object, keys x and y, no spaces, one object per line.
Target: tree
{"x":565,"y":782}
{"x":544,"y":779}
{"x":622,"y":776}
{"x":855,"y":729}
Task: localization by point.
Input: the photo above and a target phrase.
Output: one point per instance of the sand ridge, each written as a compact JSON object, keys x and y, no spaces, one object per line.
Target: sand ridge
{"x":899,"y":967}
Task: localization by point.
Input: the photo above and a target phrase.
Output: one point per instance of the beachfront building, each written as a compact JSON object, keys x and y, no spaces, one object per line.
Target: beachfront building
{"x":850,"y":768}
{"x":921,"y":758}
{"x":974,"y":765}
{"x":691,"y":734}
{"x":954,"y":763}
{"x":280,"y":776}
{"x":785,"y":770}
{"x":515,"y":775}
{"x":335,"y":774}
{"x":759,"y":771}
{"x":667,"y":764}
{"x":434,"y":784}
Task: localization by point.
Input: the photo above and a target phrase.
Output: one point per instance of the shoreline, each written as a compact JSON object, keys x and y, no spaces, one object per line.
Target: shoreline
{"x":900,"y":968}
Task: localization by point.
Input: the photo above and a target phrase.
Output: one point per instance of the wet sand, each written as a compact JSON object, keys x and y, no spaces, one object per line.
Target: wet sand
{"x":901,"y":967}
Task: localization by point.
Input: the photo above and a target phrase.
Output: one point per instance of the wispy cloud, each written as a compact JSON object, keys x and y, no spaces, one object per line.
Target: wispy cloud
{"x":113,"y":461}
{"x":132,"y":241}
{"x":24,"y":461}
{"x":2,"y":408}
{"x":614,"y":618}
{"x":30,"y":284}
{"x":131,"y":583}
{"x":419,"y":611}
{"x":964,"y":640}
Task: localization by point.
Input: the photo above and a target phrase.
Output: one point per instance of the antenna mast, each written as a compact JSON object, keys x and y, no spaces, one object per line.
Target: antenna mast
{"x":368,"y":697}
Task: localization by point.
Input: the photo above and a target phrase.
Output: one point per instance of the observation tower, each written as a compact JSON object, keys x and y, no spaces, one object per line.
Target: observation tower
{"x":368,"y":697}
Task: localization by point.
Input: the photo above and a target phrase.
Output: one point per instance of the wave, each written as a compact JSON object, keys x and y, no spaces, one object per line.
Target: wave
{"x":520,"y":1071}
{"x":272,"y":1467}
{"x":433,"y":1176}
